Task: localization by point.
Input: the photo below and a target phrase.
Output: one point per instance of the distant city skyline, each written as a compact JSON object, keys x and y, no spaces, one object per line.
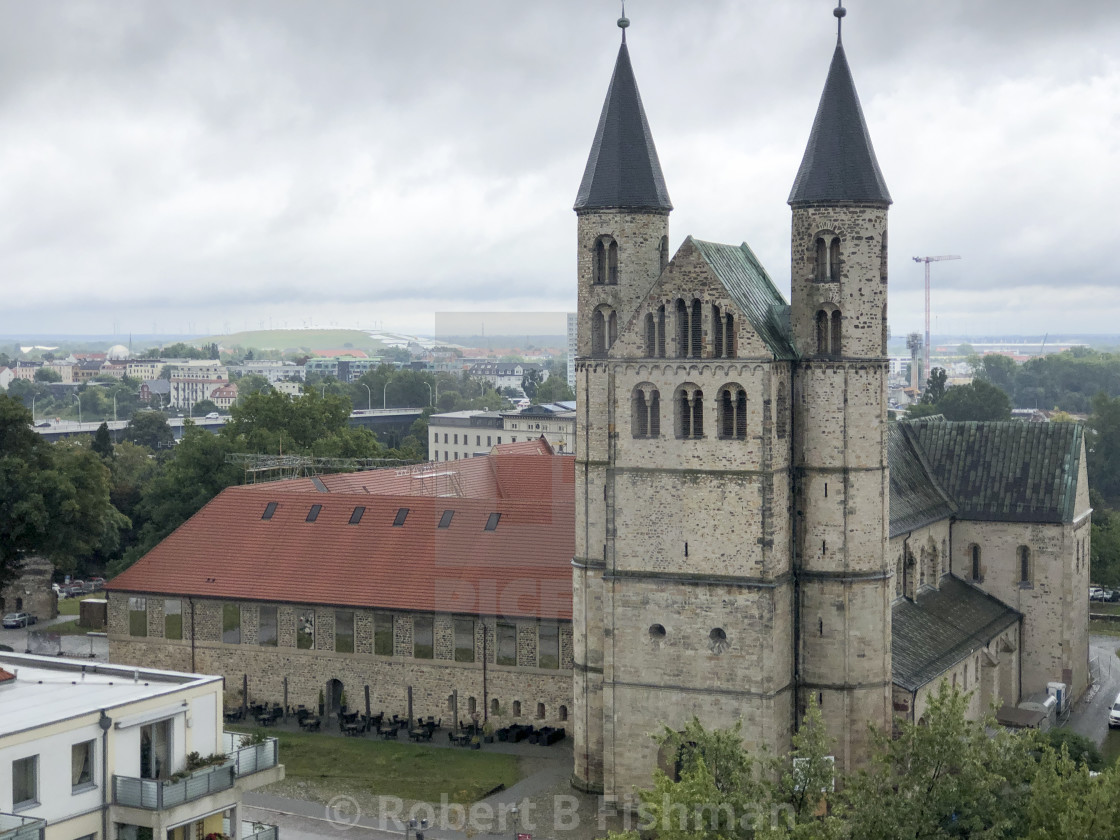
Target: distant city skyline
{"x":212,"y":168}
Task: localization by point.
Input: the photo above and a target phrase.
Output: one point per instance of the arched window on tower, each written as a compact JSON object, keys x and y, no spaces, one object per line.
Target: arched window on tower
{"x":612,"y":263}
{"x":835,"y":348}
{"x":599,"y":263}
{"x":729,"y":336}
{"x":690,"y":412}
{"x":732,"y":413}
{"x":883,"y":259}
{"x":612,"y":329}
{"x":682,"y":328}
{"x":660,"y":332}
{"x":663,"y":252}
{"x":834,"y":260}
{"x":822,"y":332}
{"x":717,"y":333}
{"x":598,"y":333}
{"x":821,"y":269}
{"x":651,"y":336}
{"x":696,"y":331}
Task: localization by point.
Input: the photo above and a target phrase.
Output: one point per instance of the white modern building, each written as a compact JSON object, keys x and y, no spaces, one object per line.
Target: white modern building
{"x":96,"y":751}
{"x":195,"y":381}
{"x":466,"y":434}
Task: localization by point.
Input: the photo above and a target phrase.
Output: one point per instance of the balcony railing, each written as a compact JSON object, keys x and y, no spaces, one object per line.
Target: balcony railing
{"x":250,"y":758}
{"x":13,"y":827}
{"x":154,"y":795}
{"x":256,"y":830}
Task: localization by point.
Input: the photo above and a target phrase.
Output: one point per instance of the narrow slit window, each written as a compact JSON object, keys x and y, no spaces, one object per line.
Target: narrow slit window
{"x":313,"y":514}
{"x":492,"y":521}
{"x":445,"y":520}
{"x":269,"y":509}
{"x":398,"y":520}
{"x":356,"y":516}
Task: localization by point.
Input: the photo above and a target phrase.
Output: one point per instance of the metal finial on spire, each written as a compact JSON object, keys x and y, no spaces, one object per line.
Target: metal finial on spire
{"x":839,"y":11}
{"x":623,"y":21}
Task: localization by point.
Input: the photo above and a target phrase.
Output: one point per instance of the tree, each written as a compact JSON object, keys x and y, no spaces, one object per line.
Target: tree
{"x":530,"y":382}
{"x":150,"y":429}
{"x":935,"y":386}
{"x":554,"y":389}
{"x":54,"y":500}
{"x":203,"y":407}
{"x":103,"y":441}
{"x":310,"y":424}
{"x":978,"y":400}
{"x":999,"y":370}
{"x":46,"y":374}
{"x":251,"y":383}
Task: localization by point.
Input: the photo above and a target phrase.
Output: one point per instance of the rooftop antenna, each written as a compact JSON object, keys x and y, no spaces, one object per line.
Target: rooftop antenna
{"x":927,"y":261}
{"x":623,"y":21}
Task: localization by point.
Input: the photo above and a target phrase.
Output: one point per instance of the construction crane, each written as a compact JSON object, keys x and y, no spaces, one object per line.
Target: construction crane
{"x":927,"y":261}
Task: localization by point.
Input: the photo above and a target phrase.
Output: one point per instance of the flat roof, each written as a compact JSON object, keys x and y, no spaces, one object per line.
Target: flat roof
{"x":47,"y":689}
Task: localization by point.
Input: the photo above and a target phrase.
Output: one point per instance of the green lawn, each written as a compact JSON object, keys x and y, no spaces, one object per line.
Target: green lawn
{"x":1105,"y":607}
{"x":1105,"y":628}
{"x":410,"y":771}
{"x":66,"y":628}
{"x":69,"y":606}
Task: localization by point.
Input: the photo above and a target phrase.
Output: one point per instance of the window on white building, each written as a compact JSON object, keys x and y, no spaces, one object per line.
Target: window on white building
{"x":81,"y":765}
{"x":25,"y":782}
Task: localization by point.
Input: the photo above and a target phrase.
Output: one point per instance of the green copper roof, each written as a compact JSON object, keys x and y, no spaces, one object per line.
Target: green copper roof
{"x":916,"y":497}
{"x":1005,"y":471}
{"x":748,"y":284}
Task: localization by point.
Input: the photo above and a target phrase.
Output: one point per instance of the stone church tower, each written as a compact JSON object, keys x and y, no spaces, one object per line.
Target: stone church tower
{"x":731,"y":475}
{"x":841,"y":488}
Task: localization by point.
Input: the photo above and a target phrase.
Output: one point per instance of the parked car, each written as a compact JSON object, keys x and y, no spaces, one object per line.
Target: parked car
{"x":1114,"y":713}
{"x":1096,"y":593}
{"x":213,"y":415}
{"x":18,"y":619}
{"x":95,"y":583}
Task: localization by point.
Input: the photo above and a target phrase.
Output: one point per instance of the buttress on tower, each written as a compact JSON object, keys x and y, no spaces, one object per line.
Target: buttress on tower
{"x":732,"y":488}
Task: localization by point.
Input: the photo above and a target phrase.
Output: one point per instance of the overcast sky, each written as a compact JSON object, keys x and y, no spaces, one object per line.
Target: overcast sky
{"x":203,"y":166}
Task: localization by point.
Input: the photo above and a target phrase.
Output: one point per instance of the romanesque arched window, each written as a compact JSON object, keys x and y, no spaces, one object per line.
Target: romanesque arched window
{"x":660,"y":332}
{"x":732,"y":408}
{"x":696,"y":332}
{"x":834,"y":260}
{"x":646,"y":412}
{"x":612,"y":263}
{"x":1026,"y":571}
{"x":598,"y":333}
{"x":599,"y":262}
{"x":663,"y":252}
{"x":690,"y":412}
{"x":883,"y":259}
{"x":834,"y":349}
{"x":974,"y":557}
{"x":822,"y":332}
{"x":612,"y":329}
{"x":717,"y":333}
{"x":651,"y":336}
{"x":682,"y":328}
{"x":781,"y":415}
{"x":729,"y":336}
{"x":820,"y":272}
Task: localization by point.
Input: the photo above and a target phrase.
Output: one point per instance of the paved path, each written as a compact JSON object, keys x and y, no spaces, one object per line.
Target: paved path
{"x":1090,"y":716}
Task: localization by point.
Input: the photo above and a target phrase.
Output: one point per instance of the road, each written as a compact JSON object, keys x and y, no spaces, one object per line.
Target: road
{"x":1090,"y":717}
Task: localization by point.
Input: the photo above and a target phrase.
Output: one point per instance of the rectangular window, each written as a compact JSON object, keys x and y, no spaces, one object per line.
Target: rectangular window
{"x":499,"y":440}
{"x":488,"y":440}
{"x":456,"y":440}
{"x":25,"y":782}
{"x":173,"y":618}
{"x":269,"y":509}
{"x":138,"y":616}
{"x":492,"y":521}
{"x":356,"y":516}
{"x":464,"y":640}
{"x":507,"y":643}
{"x":422,"y":644}
{"x":383,"y":634}
{"x":344,"y":631}
{"x":456,"y":456}
{"x":402,"y":515}
{"x":445,"y":437}
{"x":81,"y":765}
{"x":231,"y":624}
{"x":305,"y":630}
{"x":1024,"y":564}
{"x":445,"y":519}
{"x":313,"y":514}
{"x":478,"y":440}
{"x":548,"y":652}
{"x":266,"y":628}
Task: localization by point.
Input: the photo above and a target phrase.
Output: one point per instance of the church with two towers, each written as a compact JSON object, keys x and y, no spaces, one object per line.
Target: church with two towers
{"x":751,"y":531}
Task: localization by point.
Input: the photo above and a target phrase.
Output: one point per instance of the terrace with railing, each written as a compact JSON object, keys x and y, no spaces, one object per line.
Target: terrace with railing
{"x":14,"y":827}
{"x":242,"y":759}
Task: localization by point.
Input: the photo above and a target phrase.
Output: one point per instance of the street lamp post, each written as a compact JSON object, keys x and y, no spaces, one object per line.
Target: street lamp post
{"x":114,"y":408}
{"x":431,"y":399}
{"x":369,"y":395}
{"x":79,"y":399}
{"x":384,"y":392}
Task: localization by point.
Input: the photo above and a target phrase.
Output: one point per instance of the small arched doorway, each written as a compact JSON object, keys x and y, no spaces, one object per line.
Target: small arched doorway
{"x":334,"y":696}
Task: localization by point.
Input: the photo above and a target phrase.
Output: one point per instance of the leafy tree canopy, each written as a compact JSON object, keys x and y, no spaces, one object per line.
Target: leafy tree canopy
{"x":46,"y":374}
{"x":150,"y":429}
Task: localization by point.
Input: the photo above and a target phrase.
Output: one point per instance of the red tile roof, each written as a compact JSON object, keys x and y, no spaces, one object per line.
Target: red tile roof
{"x":6,"y":675}
{"x":539,"y":446}
{"x":521,"y":568}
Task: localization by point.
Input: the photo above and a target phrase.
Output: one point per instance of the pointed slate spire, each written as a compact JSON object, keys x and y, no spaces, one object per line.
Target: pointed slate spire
{"x":839,"y":162}
{"x":623,"y":171}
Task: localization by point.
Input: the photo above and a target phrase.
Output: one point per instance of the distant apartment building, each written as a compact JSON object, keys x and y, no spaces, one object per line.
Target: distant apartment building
{"x":99,"y":751}
{"x":290,"y":387}
{"x":573,"y":326}
{"x":457,"y":435}
{"x":272,"y":370}
{"x":344,"y":369}
{"x":224,"y":396}
{"x":114,"y":370}
{"x":27,"y":370}
{"x":505,"y":374}
{"x":194,"y":382}
{"x":143,"y":369}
